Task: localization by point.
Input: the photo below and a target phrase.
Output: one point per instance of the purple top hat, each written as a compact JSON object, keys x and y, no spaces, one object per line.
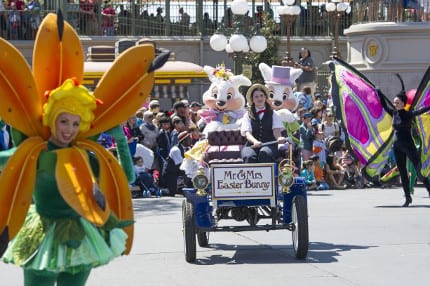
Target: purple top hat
{"x":280,"y":75}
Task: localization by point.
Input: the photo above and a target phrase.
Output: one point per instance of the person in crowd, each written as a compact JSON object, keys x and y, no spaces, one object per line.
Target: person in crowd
{"x":134,"y":129}
{"x":308,"y":174}
{"x":108,"y":18}
{"x":319,"y":146}
{"x":306,"y":136}
{"x":139,"y":116}
{"x":159,"y":16}
{"x":195,"y":106}
{"x":14,"y":22}
{"x":106,"y":140}
{"x":184,"y":18}
{"x":87,"y":17}
{"x":144,"y":178}
{"x":133,"y":134}
{"x":3,"y":20}
{"x":308,"y":77}
{"x":404,"y":146}
{"x":261,"y":127}
{"x":352,"y":168}
{"x":299,"y":114}
{"x":181,"y":110}
{"x":195,"y":134}
{"x":149,"y":131}
{"x":334,"y":173}
{"x":124,"y":20}
{"x":178,"y":127}
{"x":5,"y":138}
{"x":171,"y":172}
{"x":163,"y":143}
{"x":330,"y":126}
{"x":154,"y":106}
{"x":305,"y":98}
{"x":317,"y":115}
{"x":319,"y":173}
{"x":34,"y":7}
{"x":208,"y":25}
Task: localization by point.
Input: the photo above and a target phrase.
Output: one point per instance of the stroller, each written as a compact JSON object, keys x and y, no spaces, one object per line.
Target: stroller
{"x":145,"y":182}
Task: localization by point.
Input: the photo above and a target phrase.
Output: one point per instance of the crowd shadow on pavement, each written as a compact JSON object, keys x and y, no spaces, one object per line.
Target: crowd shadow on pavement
{"x":319,"y":252}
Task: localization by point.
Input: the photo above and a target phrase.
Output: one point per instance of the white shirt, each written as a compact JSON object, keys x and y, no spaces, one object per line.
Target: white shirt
{"x":146,"y":154}
{"x":175,"y":154}
{"x":246,"y":123}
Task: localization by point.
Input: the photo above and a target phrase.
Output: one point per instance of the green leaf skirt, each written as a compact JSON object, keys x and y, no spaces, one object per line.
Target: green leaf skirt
{"x":63,"y":245}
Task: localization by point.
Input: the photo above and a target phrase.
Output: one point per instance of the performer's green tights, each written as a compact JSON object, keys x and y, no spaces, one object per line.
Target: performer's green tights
{"x":43,"y":278}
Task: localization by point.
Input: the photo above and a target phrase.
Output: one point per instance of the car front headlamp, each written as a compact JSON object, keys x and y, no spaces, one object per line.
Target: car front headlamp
{"x":200,"y":180}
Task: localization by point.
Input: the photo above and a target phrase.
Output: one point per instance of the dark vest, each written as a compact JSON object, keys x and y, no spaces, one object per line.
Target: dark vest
{"x":262,"y":129}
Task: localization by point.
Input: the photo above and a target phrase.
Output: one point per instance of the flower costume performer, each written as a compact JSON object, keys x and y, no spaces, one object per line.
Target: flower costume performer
{"x":82,"y":213}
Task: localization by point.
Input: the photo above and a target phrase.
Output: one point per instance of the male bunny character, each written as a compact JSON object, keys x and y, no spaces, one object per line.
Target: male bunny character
{"x":280,"y":82}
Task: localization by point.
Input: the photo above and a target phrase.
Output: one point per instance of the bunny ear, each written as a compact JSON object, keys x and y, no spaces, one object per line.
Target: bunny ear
{"x":294,"y":74}
{"x":123,"y":88}
{"x":240,"y":80}
{"x":266,"y":71}
{"x":20,"y":104}
{"x":209,"y":71}
{"x":57,"y":54}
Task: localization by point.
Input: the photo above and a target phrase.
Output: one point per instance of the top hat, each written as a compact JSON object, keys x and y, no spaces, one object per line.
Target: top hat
{"x":280,"y":75}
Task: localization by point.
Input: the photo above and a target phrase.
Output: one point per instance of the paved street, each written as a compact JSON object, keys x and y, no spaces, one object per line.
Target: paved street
{"x":357,"y":237}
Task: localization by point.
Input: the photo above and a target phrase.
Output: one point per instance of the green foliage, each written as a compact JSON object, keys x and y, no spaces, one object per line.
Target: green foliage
{"x":270,"y":31}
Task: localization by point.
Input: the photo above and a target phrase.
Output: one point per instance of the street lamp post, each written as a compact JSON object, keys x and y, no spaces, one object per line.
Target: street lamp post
{"x":336,"y":9}
{"x":288,"y":13}
{"x":237,"y":44}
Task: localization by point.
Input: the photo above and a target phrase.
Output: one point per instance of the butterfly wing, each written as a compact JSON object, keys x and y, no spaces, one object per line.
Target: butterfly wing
{"x":368,"y":126}
{"x":422,"y":99}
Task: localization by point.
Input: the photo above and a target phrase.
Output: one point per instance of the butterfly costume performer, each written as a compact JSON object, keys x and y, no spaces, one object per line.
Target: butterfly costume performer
{"x":66,"y":210}
{"x":375,"y":127}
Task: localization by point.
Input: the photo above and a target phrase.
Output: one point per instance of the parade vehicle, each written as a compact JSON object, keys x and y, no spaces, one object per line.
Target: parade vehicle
{"x":236,"y":197}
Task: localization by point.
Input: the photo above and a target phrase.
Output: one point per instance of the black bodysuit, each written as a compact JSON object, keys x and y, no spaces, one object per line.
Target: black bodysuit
{"x":404,"y":146}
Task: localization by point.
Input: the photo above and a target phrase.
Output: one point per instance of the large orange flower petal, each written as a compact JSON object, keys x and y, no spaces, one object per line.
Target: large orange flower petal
{"x":57,"y":54}
{"x":17,"y":184}
{"x":20,"y":105}
{"x":123,"y":88}
{"x":113,"y":183}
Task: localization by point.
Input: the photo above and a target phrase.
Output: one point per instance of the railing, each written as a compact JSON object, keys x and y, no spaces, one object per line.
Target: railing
{"x":162,"y":18}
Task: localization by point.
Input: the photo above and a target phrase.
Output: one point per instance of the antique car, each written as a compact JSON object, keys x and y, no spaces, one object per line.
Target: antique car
{"x":239,"y":197}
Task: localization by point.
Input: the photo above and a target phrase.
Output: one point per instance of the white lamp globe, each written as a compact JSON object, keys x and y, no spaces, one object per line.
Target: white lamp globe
{"x":290,"y":2}
{"x":238,"y":42}
{"x":342,"y":7}
{"x":296,"y":10}
{"x":246,"y":49}
{"x":258,"y":44}
{"x":239,"y":7}
{"x":330,"y":7}
{"x":228,"y":49}
{"x":218,"y":42}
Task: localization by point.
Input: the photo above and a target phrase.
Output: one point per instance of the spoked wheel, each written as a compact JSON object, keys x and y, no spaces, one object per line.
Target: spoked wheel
{"x":189,"y":231}
{"x":300,"y":232}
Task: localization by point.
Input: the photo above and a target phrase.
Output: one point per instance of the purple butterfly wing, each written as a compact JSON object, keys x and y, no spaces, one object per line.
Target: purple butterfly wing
{"x":369,"y":132}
